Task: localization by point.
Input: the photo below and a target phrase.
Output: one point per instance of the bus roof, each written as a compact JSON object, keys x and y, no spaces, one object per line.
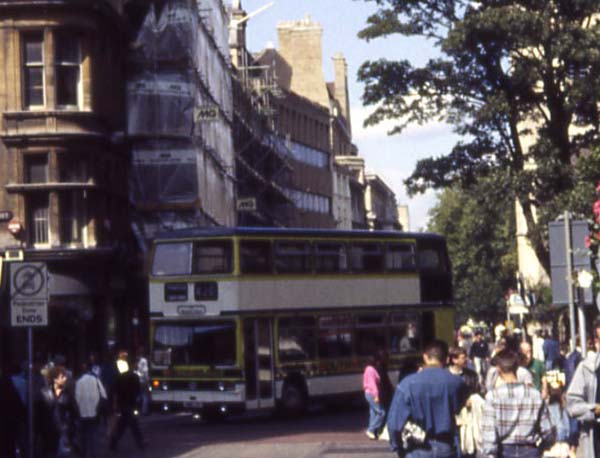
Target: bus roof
{"x":269,"y":231}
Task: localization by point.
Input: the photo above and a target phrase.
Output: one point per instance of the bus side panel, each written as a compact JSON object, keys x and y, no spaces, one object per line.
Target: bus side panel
{"x":444,"y":325}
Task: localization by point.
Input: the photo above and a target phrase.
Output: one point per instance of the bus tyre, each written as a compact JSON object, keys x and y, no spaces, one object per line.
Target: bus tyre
{"x":293,"y":399}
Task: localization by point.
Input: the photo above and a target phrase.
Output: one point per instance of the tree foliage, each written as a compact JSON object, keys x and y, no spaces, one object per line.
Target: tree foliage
{"x":479,"y":227}
{"x":519,"y":80}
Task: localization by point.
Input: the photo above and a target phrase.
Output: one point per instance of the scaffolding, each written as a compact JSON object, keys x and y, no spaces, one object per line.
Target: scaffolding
{"x":183,"y":164}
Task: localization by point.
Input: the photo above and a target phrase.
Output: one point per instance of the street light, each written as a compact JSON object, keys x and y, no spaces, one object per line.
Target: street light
{"x":584,"y":278}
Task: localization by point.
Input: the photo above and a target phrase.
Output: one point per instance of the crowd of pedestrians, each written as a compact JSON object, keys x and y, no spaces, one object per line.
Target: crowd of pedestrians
{"x":494,"y":396}
{"x":75,"y":416}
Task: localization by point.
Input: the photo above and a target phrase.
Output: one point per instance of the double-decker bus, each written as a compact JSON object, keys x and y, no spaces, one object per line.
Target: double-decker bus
{"x":254,"y":318}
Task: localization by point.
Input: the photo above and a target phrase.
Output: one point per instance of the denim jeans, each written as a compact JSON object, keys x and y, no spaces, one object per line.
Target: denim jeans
{"x":376,"y":414}
{"x":519,"y":451}
{"x":433,"y":449}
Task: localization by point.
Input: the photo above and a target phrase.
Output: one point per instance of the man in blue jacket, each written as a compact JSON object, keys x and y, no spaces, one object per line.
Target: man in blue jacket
{"x":430,"y":399}
{"x":551,"y":352}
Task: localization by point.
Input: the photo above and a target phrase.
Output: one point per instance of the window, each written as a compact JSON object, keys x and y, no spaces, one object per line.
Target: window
{"x":405,"y":333}
{"x":335,"y":336}
{"x":366,"y":257}
{"x":308,"y":201}
{"x":399,"y":256}
{"x":330,"y":257}
{"x":33,"y":69}
{"x":36,"y":168}
{"x":297,"y":339}
{"x":38,"y":219}
{"x":172,"y":259}
{"x":308,"y":155}
{"x":255,"y":256}
{"x":292,"y":257}
{"x":212,"y":257}
{"x":430,"y":259}
{"x":72,"y":217}
{"x":370,"y":334}
{"x":67,"y":63}
{"x":72,"y":169}
{"x":210,"y":343}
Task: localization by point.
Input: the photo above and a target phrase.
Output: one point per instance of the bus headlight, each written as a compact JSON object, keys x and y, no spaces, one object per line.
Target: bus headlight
{"x":221,"y":386}
{"x":164,"y":386}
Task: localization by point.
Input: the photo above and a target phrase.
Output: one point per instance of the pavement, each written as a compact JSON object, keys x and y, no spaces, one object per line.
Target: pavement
{"x":320,"y":435}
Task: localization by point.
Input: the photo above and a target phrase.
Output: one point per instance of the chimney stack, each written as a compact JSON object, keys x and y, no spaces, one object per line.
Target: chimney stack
{"x":300,"y":46}
{"x":340,"y":68}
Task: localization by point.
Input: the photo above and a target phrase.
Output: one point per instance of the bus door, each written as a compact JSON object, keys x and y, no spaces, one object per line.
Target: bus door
{"x":259,"y":364}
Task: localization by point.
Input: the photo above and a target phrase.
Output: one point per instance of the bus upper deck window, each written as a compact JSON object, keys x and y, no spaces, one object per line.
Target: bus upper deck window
{"x":172,"y":259}
{"x":255,"y":256}
{"x":429,"y":259}
{"x":399,"y":256}
{"x":292,"y":257}
{"x":366,"y":257}
{"x":330,"y":257}
{"x":213,"y":257}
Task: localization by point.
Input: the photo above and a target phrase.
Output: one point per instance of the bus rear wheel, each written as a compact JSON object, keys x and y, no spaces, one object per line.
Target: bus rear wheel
{"x":293,"y":399}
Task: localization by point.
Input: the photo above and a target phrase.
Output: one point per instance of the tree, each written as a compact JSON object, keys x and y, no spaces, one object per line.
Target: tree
{"x":478,"y":225}
{"x":519,"y":80}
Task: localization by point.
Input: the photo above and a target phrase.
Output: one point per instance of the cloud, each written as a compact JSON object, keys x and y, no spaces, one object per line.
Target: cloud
{"x":359,"y":132}
{"x":394,"y":157}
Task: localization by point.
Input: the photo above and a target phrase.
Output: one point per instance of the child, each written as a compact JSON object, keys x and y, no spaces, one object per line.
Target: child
{"x":560,"y":419}
{"x":469,"y":418}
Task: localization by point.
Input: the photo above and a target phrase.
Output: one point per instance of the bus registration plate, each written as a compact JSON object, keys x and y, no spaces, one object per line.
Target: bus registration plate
{"x":193,"y":404}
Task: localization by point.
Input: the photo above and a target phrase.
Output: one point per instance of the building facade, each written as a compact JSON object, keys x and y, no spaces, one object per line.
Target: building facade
{"x":179,"y":115}
{"x":65,"y":176}
{"x":380,"y":203}
{"x":263,"y":165}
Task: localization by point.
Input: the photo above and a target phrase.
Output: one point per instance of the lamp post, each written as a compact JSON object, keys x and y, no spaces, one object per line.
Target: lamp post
{"x":584,"y":280}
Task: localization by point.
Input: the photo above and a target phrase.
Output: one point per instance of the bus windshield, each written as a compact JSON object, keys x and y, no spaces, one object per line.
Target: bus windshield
{"x":172,"y":259}
{"x":206,"y":343}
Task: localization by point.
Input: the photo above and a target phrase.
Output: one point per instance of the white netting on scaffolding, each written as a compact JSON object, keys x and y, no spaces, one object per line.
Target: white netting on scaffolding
{"x":214,"y":16}
{"x":214,"y":72}
{"x":161,"y":104}
{"x":177,"y":72}
{"x":163,"y":171}
{"x":169,"y":34}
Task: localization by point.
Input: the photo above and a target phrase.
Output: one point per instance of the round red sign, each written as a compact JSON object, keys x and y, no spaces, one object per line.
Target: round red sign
{"x":15,"y":226}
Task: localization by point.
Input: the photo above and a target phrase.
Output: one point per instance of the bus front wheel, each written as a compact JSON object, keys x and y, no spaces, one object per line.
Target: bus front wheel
{"x":293,"y":399}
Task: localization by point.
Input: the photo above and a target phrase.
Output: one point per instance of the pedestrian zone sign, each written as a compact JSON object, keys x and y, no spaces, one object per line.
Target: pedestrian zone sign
{"x":28,"y":294}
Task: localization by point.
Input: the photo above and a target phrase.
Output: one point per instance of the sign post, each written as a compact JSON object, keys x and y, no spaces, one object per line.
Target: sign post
{"x":568,"y":255}
{"x":29,"y":308}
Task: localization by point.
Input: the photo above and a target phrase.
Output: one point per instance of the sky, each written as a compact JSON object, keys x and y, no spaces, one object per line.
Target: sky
{"x":391,"y":157}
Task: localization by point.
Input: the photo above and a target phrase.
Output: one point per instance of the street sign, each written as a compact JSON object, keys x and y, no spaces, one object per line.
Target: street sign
{"x":246,"y":204}
{"x":206,"y":113}
{"x":28,"y":294}
{"x":580,"y":258}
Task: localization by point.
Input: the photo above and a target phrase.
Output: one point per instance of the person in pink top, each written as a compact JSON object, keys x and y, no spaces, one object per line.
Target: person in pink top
{"x":371,"y":384}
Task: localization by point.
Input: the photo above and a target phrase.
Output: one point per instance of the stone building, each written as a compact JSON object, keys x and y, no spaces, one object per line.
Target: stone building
{"x":354,"y":168}
{"x":64,"y":178}
{"x":380,"y":202}
{"x":313,"y":117}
